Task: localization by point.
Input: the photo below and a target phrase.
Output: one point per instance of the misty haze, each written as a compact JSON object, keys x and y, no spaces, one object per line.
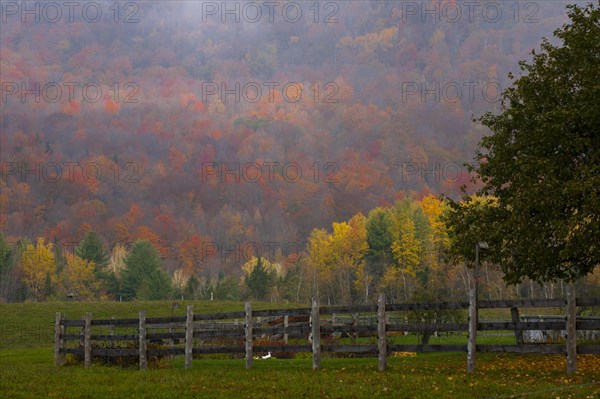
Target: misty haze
{"x":164,"y":156}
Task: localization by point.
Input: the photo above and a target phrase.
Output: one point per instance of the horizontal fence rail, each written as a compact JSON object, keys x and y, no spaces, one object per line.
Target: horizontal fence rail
{"x":316,"y":330}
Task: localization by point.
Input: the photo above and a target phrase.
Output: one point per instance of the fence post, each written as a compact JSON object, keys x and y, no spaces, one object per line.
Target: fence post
{"x":316,"y":334}
{"x":143,"y":345}
{"x":59,"y":358}
{"x":87,"y":341}
{"x":249,"y":338}
{"x":189,"y":336}
{"x":111,"y":328}
{"x":514,"y":312}
{"x":111,"y":331}
{"x":82,"y":333}
{"x":381,"y":336}
{"x":472,"y":342}
{"x":286,"y":324}
{"x":571,"y":330}
{"x":63,"y":331}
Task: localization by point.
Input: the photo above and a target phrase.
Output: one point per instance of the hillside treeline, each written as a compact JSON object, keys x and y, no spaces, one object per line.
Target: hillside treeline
{"x":400,"y":250}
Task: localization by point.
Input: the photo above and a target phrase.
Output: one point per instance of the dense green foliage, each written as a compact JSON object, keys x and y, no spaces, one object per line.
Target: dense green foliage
{"x":6,"y":256}
{"x":91,"y":248}
{"x":542,"y":163}
{"x":379,"y":238}
{"x":142,"y":278}
{"x":259,"y":281}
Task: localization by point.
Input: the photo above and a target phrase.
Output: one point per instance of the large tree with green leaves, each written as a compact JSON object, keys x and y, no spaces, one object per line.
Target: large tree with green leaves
{"x":542,"y":162}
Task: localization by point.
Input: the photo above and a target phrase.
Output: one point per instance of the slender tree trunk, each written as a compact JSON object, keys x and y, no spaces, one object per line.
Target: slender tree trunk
{"x":530,"y":289}
{"x":349,"y":286}
{"x":299,"y":285}
{"x":465,"y":279}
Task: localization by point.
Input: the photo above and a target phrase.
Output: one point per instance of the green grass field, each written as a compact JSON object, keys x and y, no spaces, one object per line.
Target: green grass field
{"x":27,"y":371}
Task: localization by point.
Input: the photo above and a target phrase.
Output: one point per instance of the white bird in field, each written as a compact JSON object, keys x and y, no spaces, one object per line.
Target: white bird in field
{"x":267,"y":356}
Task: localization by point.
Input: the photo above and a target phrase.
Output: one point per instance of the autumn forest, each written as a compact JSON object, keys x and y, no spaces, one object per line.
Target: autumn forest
{"x":196,"y":149}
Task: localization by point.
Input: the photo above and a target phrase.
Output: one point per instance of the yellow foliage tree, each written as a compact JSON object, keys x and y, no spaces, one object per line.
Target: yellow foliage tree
{"x":39,"y":268}
{"x":248,"y":267}
{"x":340,"y":263}
{"x":336,"y":260}
{"x":319,"y":254}
{"x":390,"y":283}
{"x":436,"y":244}
{"x":434,"y":208}
{"x":406,"y":248}
{"x":406,"y":251}
{"x":349,"y":247}
{"x":77,"y":277}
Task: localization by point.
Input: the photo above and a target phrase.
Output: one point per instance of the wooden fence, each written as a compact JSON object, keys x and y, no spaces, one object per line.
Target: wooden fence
{"x":269,"y":330}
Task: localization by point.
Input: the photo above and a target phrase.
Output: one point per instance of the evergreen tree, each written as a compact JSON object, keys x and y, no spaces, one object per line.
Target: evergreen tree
{"x":91,"y":248}
{"x":258,"y":281}
{"x":7,"y":260}
{"x":6,"y":257}
{"x":379,"y":238}
{"x":142,"y":278}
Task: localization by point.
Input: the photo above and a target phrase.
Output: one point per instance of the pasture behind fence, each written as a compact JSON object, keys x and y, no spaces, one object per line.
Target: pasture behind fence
{"x":373,"y":330}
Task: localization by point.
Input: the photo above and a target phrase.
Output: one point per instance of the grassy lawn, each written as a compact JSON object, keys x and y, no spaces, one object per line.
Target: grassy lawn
{"x":27,"y":371}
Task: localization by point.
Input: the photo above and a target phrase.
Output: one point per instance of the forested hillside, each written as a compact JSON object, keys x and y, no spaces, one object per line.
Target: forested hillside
{"x":217,"y":135}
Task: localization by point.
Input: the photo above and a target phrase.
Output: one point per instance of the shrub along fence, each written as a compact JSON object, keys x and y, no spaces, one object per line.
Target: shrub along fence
{"x":315,"y":330}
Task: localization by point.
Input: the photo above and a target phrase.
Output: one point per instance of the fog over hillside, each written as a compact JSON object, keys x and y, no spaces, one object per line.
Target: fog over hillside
{"x":237,"y":122}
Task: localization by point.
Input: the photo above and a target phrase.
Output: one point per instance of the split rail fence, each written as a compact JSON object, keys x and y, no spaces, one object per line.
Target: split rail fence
{"x":260,"y":331}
